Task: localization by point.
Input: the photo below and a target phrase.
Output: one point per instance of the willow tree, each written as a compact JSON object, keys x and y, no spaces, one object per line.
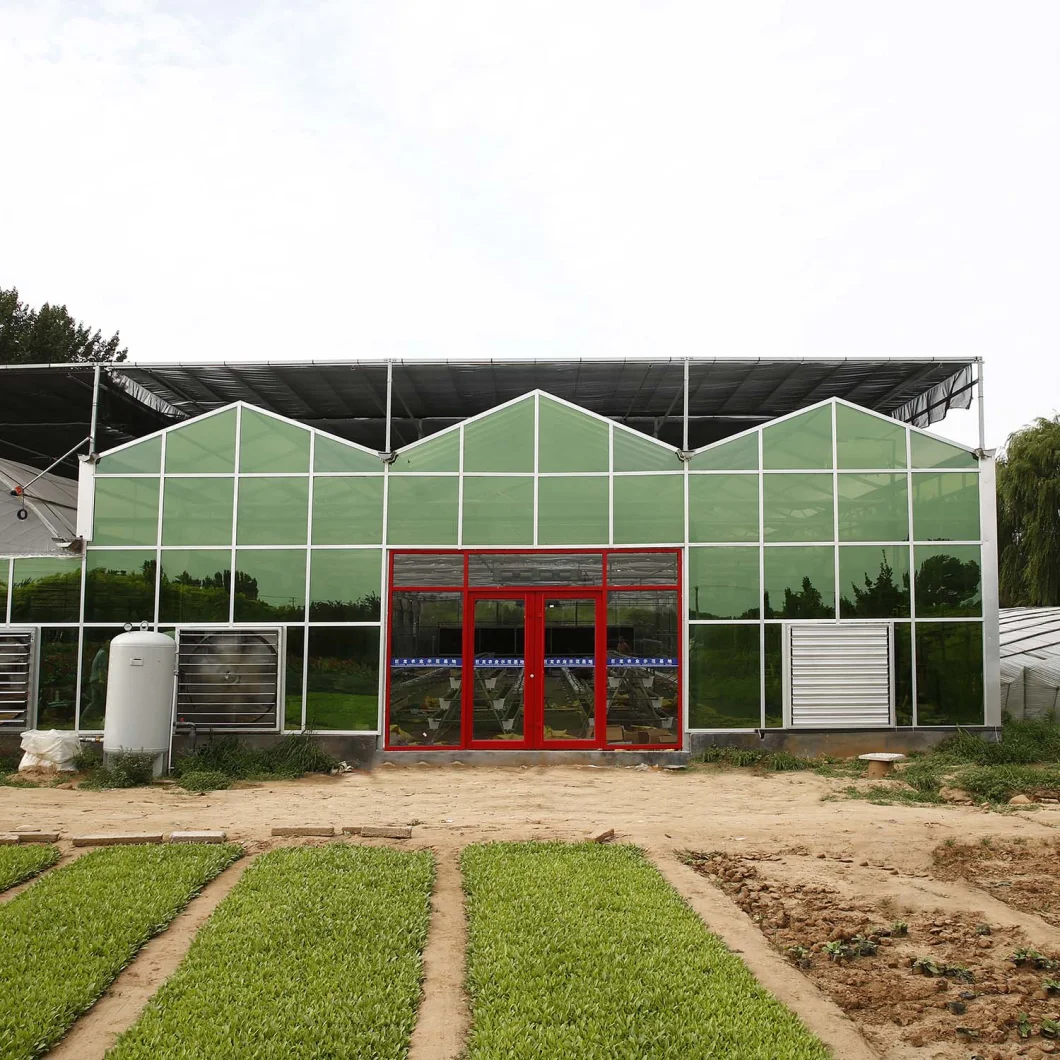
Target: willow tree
{"x":1028,"y":515}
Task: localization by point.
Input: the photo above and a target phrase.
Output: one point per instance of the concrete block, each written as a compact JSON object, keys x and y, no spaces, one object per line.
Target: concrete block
{"x":116,"y":839}
{"x":351,"y":829}
{"x":386,"y":831}
{"x":304,"y":830}
{"x":8,"y":839}
{"x":601,"y":836}
{"x":197,"y":837}
{"x":38,"y":837}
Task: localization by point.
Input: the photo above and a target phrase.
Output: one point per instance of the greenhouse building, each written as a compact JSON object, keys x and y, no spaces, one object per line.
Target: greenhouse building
{"x":531,"y":556}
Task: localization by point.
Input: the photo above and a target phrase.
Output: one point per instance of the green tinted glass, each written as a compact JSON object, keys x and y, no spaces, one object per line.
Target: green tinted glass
{"x":903,"y":673}
{"x":724,"y":677}
{"x":45,"y":590}
{"x":930,"y":452}
{"x":194,"y":585}
{"x":197,"y":511}
{"x":949,"y":673}
{"x":723,"y":583}
{"x":649,"y":509}
{"x":867,"y":442}
{"x":203,"y":446}
{"x":126,"y":511}
{"x":272,"y":511}
{"x":874,"y":581}
{"x":572,"y":511}
{"x":143,"y":458}
{"x":422,"y":511}
{"x":803,"y":441}
{"x":946,"y":506}
{"x":741,"y":454}
{"x":292,"y":690}
{"x":570,"y":440}
{"x":267,"y":444}
{"x":120,"y":586}
{"x":347,"y":511}
{"x":441,"y":453}
{"x":873,"y":508}
{"x":344,"y":584}
{"x":637,"y":452}
{"x":723,"y":507}
{"x":798,"y":508}
{"x":498,"y":511}
{"x":57,"y":678}
{"x":95,"y":661}
{"x":800,"y":582}
{"x":342,"y":684}
{"x":774,"y":668}
{"x":332,"y":455}
{"x":270,"y":585}
{"x":501,"y":441}
{"x":949,"y":581}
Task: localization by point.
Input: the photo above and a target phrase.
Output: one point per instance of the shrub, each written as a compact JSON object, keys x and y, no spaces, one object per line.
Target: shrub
{"x":205,"y":780}
{"x":124,"y":769}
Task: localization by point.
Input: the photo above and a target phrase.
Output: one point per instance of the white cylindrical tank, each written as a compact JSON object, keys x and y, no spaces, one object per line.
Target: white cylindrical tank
{"x":139,"y":713}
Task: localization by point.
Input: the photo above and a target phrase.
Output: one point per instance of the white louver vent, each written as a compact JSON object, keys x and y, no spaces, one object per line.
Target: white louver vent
{"x":16,"y":672}
{"x":840,"y":676}
{"x":228,"y":678}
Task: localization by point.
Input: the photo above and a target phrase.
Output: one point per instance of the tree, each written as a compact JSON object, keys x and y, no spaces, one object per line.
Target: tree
{"x":49,"y":335}
{"x":1028,"y":516}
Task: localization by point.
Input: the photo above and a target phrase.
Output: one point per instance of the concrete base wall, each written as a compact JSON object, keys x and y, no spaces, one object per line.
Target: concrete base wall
{"x":847,"y":744}
{"x":356,"y":751}
{"x":532,"y":758}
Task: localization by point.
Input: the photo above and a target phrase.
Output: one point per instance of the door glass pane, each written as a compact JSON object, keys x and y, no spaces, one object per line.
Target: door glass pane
{"x":272,"y":511}
{"x":800,"y":582}
{"x":501,"y":441}
{"x":422,"y":511}
{"x":903,"y":673}
{"x":724,"y":677}
{"x":874,"y":581}
{"x":637,"y":452}
{"x":348,"y":511}
{"x":536,"y":568}
{"x":45,"y":590}
{"x":270,"y":585}
{"x":946,"y":506}
{"x":930,"y":452}
{"x":426,"y":655}
{"x":642,"y":658}
{"x":867,"y":442}
{"x":428,"y":568}
{"x":949,"y":673}
{"x":642,"y":568}
{"x":803,"y":441}
{"x":144,"y":458}
{"x":267,"y":444}
{"x":195,"y":585}
{"x":949,"y":581}
{"x":723,"y":583}
{"x":649,"y":509}
{"x":498,"y":511}
{"x":331,"y":455}
{"x":570,"y":669}
{"x":773,"y":664}
{"x":57,"y":679}
{"x":572,"y":511}
{"x":798,"y":508}
{"x":499,"y":696}
{"x":197,"y":511}
{"x":344,"y":584}
{"x":126,"y":511}
{"x":569,"y":440}
{"x":120,"y":586}
{"x":873,"y":508}
{"x":203,"y":446}
{"x":342,"y":686}
{"x":441,"y":453}
{"x":741,"y":454}
{"x":723,"y":507}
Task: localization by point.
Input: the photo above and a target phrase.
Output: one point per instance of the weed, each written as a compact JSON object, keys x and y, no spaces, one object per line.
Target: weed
{"x":125,"y":769}
{"x":885,"y":795}
{"x":291,"y":756}
{"x":899,"y":929}
{"x":998,"y":783}
{"x":1022,"y":742}
{"x":205,"y":781}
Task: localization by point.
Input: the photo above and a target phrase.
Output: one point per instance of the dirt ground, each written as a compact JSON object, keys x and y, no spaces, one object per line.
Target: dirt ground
{"x":805,"y":871}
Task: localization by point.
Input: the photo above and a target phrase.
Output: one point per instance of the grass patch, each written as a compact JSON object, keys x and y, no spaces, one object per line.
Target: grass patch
{"x":1022,"y":743}
{"x":291,"y":756}
{"x":772,"y":761}
{"x":315,"y":953}
{"x":18,"y":864}
{"x":584,"y":952}
{"x":65,"y":938}
{"x":124,"y":769}
{"x":205,"y":780}
{"x":998,"y":783}
{"x":886,"y":795}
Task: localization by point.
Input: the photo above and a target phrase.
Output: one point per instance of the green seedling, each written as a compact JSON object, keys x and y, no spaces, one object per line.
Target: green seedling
{"x":1023,"y":1026}
{"x":1049,"y":1028}
{"x":1028,"y":957}
{"x":20,"y":863}
{"x":863,"y":947}
{"x":1051,"y":986}
{"x":899,"y":929}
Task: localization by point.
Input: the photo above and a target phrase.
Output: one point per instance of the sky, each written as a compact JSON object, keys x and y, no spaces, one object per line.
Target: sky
{"x":236,"y":180}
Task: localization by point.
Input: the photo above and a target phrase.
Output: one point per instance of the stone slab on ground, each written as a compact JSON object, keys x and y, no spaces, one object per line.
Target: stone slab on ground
{"x":292,"y":830}
{"x":115,"y":839}
{"x":37,"y":837}
{"x":197,"y":837}
{"x":8,"y":839}
{"x":384,"y":831}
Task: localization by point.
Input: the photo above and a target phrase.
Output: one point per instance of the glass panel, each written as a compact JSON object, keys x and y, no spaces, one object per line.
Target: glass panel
{"x":946,"y":506}
{"x":292,"y":692}
{"x":347,"y":511}
{"x":723,"y":583}
{"x":724,"y":677}
{"x":95,"y":659}
{"x":741,"y":454}
{"x":865,"y":442}
{"x":649,"y":509}
{"x":949,"y":581}
{"x":126,"y":511}
{"x":501,"y":441}
{"x":144,"y":458}
{"x":499,"y":696}
{"x":903,"y":674}
{"x":57,"y":679}
{"x":329,"y":454}
{"x":803,"y":441}
{"x":267,"y":444}
{"x":197,"y":511}
{"x":426,"y":655}
{"x":774,"y":666}
{"x":440,"y":453}
{"x":800,"y":582}
{"x":569,"y":440}
{"x":195,"y":585}
{"x":637,"y":452}
{"x":272,"y":511}
{"x":270,"y":585}
{"x":572,"y":511}
{"x":642,"y":658}
{"x":930,"y":452}
{"x":45,"y":590}
{"x":429,"y":569}
{"x":498,"y":511}
{"x":949,"y":673}
{"x":203,"y":446}
{"x":798,"y":508}
{"x":422,"y":511}
{"x":570,"y":669}
{"x":874,"y":581}
{"x":120,"y":586}
{"x":642,"y":568}
{"x":342,"y":687}
{"x":536,"y":568}
{"x":873,"y":508}
{"x":723,"y":507}
{"x":344,"y":585}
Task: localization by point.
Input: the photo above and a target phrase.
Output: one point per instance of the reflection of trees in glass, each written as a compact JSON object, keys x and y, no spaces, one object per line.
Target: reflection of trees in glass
{"x":120,"y":595}
{"x":54,"y":597}
{"x":949,"y":673}
{"x":203,"y":599}
{"x":947,"y":585}
{"x":364,"y":609}
{"x":724,"y":677}
{"x":879,"y":597}
{"x":808,"y":602}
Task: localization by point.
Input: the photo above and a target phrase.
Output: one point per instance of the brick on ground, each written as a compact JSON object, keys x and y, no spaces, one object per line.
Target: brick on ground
{"x":198,"y":837}
{"x":37,"y":837}
{"x":116,"y":839}
{"x":384,"y":831}
{"x":303,"y":830}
